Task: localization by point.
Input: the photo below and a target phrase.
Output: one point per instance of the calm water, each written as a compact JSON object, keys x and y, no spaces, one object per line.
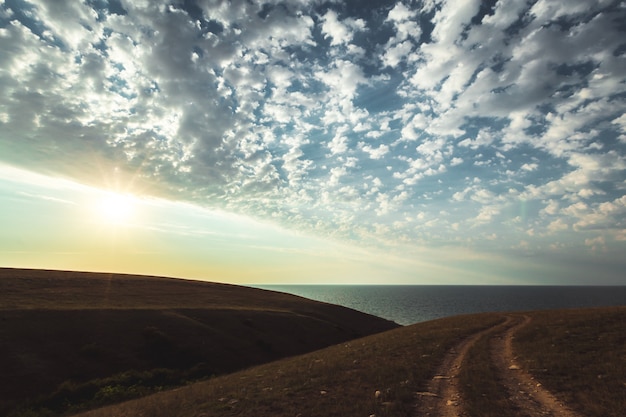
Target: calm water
{"x":412,"y":304}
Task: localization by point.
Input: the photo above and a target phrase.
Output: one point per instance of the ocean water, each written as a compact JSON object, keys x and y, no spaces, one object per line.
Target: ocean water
{"x":417,"y":303}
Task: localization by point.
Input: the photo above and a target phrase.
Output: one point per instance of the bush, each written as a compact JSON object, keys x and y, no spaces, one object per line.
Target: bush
{"x":72,"y":396}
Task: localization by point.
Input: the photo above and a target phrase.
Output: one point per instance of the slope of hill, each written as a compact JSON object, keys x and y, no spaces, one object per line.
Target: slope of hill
{"x":566,"y":363}
{"x":70,"y":338}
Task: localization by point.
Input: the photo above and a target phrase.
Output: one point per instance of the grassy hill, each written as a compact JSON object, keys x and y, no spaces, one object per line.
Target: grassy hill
{"x":70,"y":340}
{"x":578,"y":354}
{"x":76,"y":341}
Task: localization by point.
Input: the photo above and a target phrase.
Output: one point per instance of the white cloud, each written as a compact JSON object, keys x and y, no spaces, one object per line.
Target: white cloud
{"x":340,"y":32}
{"x":343,"y":78}
{"x":620,"y":122}
{"x":451,"y":19}
{"x":596,"y":244}
{"x":551,"y":208}
{"x":400,"y":13}
{"x":276,"y":106}
{"x":394,"y":54}
{"x":339,"y":144}
{"x":336,"y":174}
{"x":486,"y":214}
{"x":374,"y":153}
{"x":456,"y":161}
{"x":505,"y":14}
{"x":606,"y":215}
{"x":431,"y":148}
{"x":485,"y":137}
{"x":557,"y":225}
{"x":399,"y":47}
{"x":69,"y":21}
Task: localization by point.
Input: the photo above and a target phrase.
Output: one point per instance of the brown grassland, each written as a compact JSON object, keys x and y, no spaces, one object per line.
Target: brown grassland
{"x":73,"y":340}
{"x":579,"y":355}
{"x":341,"y":380}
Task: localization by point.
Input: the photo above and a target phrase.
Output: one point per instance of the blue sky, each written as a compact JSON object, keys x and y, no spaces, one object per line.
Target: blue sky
{"x":304,"y":141}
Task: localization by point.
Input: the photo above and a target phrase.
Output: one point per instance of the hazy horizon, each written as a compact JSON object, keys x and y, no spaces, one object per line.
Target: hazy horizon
{"x":286,"y":142}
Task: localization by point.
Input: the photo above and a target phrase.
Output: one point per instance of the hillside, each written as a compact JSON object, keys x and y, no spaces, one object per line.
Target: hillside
{"x":68,"y":337}
{"x":567,"y":363}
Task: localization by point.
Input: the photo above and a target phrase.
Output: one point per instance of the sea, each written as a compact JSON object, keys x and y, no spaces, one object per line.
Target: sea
{"x":408,"y":304}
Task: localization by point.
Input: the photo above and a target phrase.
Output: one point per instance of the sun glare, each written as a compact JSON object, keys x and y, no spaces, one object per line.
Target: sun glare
{"x":115,"y":208}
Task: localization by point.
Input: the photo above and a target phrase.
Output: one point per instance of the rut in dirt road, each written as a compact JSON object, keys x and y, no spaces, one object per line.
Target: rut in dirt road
{"x":443,"y":398}
{"x":526,"y":393}
{"x":526,"y":396}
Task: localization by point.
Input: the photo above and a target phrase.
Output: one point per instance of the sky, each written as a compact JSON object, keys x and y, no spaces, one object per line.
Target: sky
{"x":318,"y":142}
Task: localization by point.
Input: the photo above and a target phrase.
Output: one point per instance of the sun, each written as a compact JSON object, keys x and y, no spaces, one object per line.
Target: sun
{"x":114,"y":208}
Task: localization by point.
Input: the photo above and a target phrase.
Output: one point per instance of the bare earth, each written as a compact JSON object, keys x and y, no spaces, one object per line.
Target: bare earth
{"x":527,"y":395}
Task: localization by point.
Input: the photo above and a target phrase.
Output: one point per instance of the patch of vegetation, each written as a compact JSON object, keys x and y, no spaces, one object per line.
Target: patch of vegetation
{"x":72,"y":397}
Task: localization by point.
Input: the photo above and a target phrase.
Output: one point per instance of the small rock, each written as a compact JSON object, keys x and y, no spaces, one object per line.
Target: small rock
{"x":426,"y":394}
{"x":441,"y":377}
{"x":377,"y":394}
{"x":452,"y":403}
{"x":323,"y":392}
{"x":514,"y":368}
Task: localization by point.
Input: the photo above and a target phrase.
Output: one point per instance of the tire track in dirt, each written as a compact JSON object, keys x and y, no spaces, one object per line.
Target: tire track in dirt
{"x":527,"y":396}
{"x":526,"y":393}
{"x":443,"y":398}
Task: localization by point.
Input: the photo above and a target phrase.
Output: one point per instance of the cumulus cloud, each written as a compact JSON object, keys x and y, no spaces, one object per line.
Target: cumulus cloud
{"x":453,"y":110}
{"x":375,"y":153}
{"x":340,"y":32}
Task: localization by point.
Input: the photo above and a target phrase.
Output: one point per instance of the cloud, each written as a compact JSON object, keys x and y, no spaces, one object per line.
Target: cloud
{"x":452,"y":110}
{"x":557,"y":225}
{"x":396,"y":53}
{"x":375,"y":153}
{"x":338,"y":144}
{"x":340,"y":32}
{"x":399,"y":46}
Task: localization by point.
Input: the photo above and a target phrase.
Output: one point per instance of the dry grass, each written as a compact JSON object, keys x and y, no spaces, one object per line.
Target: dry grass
{"x":57,"y":320}
{"x":580,"y":355}
{"x":80,"y":340}
{"x":23,"y":289}
{"x":336,"y":381}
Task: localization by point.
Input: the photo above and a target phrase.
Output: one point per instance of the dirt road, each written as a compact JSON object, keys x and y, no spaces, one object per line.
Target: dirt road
{"x":526,"y":395}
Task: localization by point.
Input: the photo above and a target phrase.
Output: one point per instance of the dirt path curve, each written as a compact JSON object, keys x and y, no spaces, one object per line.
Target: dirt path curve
{"x":528,"y":397}
{"x":443,"y":398}
{"x":526,"y":393}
